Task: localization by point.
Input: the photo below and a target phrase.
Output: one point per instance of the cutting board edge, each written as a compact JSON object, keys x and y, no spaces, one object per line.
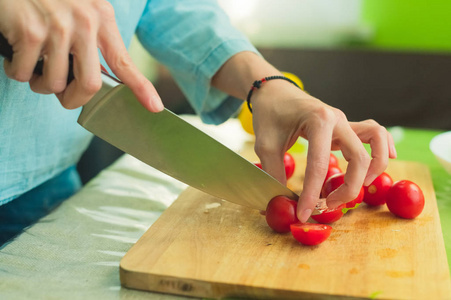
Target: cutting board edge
{"x":212,"y":290}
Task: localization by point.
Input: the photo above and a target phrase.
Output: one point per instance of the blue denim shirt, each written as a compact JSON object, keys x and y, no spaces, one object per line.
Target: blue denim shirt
{"x":193,"y":38}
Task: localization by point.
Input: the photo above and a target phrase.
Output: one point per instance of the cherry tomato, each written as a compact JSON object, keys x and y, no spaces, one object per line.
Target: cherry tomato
{"x":376,"y":192}
{"x":333,"y":183}
{"x":330,"y":215}
{"x":332,"y":171}
{"x":310,"y":233}
{"x":289,"y":163}
{"x":405,"y":199}
{"x":281,"y":213}
{"x":333,"y":160}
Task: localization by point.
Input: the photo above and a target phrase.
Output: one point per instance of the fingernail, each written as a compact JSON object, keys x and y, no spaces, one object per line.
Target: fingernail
{"x":393,"y":151}
{"x":157,"y":104}
{"x":305,"y":215}
{"x":334,"y":204}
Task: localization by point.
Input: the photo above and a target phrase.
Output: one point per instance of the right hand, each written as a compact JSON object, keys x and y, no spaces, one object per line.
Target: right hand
{"x":51,"y":30}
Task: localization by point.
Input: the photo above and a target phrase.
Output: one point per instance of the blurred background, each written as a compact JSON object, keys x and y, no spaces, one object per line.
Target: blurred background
{"x":380,"y":59}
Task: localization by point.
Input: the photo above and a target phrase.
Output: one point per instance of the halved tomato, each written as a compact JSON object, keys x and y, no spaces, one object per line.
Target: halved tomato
{"x":333,"y":183}
{"x":310,"y":234}
{"x":330,"y":215}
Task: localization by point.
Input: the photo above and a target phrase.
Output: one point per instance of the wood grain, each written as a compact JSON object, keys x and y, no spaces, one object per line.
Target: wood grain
{"x":206,"y":247}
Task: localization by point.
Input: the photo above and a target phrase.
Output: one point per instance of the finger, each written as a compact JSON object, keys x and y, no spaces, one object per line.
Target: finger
{"x":87,"y":80}
{"x":55,"y":69}
{"x":118,"y":59}
{"x":358,"y":164}
{"x":391,"y":146}
{"x":26,"y":54}
{"x":379,"y":153}
{"x":377,"y":137}
{"x":318,"y":156}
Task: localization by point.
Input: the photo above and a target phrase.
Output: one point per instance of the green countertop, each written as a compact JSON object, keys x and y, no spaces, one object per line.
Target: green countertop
{"x":413,"y":145}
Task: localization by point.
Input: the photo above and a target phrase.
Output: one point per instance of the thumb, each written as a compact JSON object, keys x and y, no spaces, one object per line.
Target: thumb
{"x":271,"y":155}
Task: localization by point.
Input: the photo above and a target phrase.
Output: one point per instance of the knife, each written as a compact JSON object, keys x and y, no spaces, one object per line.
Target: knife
{"x":168,"y":143}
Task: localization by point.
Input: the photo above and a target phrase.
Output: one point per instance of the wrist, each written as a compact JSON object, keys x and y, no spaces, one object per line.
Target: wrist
{"x":236,"y":76}
{"x":258,"y":84}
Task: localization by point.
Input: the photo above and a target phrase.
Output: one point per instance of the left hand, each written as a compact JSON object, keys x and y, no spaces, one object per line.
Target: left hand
{"x":283,"y":112}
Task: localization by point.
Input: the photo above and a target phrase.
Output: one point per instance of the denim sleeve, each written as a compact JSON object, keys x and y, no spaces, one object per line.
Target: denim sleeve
{"x":194,"y":38}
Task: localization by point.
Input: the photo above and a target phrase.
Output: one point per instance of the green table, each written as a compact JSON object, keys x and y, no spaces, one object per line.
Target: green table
{"x":413,"y":145}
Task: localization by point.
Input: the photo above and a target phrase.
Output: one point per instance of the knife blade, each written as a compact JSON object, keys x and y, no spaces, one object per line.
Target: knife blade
{"x":168,"y":143}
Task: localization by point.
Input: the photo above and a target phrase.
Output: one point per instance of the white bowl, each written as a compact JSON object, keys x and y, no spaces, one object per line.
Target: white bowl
{"x":441,"y":147}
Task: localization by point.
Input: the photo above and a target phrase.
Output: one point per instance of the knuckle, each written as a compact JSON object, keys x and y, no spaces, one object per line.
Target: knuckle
{"x":363,"y":158}
{"x":122,"y":61}
{"x":60,"y":28}
{"x":57,"y":86}
{"x":105,"y":8}
{"x":264,"y":149}
{"x":325,"y":113}
{"x":371,"y":123}
{"x":33,"y":35}
{"x":91,"y":85}
{"x":340,"y":115}
{"x":18,"y":75}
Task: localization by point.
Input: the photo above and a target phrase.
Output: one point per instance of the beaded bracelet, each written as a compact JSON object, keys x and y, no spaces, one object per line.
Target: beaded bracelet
{"x":257,"y":84}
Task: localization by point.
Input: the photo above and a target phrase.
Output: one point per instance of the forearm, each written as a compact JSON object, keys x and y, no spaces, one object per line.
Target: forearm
{"x":236,"y":76}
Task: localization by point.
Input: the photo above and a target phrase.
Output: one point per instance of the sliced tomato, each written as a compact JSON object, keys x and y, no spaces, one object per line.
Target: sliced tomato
{"x":331,"y":171}
{"x":405,"y":199}
{"x":333,"y":183}
{"x":376,"y":192}
{"x":330,"y":215}
{"x":310,"y":233}
{"x":281,"y":213}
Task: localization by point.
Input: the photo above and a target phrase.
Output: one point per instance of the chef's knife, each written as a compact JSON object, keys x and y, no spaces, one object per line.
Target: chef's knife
{"x":168,"y":143}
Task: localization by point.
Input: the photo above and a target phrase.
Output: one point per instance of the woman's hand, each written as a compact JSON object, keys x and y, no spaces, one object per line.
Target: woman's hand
{"x":51,"y":30}
{"x":283,"y":112}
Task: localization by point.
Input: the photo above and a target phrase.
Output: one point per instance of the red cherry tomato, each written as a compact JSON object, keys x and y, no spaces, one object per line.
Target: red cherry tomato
{"x":281,"y":213}
{"x":289,"y":163}
{"x":376,"y":192}
{"x":330,"y":215}
{"x":405,"y":199}
{"x":310,"y":233}
{"x":333,"y":183}
{"x":333,"y":160}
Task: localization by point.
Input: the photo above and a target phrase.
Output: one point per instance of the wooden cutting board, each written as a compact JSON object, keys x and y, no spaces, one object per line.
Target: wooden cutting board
{"x":203,"y":246}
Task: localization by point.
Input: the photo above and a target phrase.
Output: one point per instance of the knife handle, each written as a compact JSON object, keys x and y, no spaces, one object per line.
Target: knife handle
{"x":7,"y":52}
